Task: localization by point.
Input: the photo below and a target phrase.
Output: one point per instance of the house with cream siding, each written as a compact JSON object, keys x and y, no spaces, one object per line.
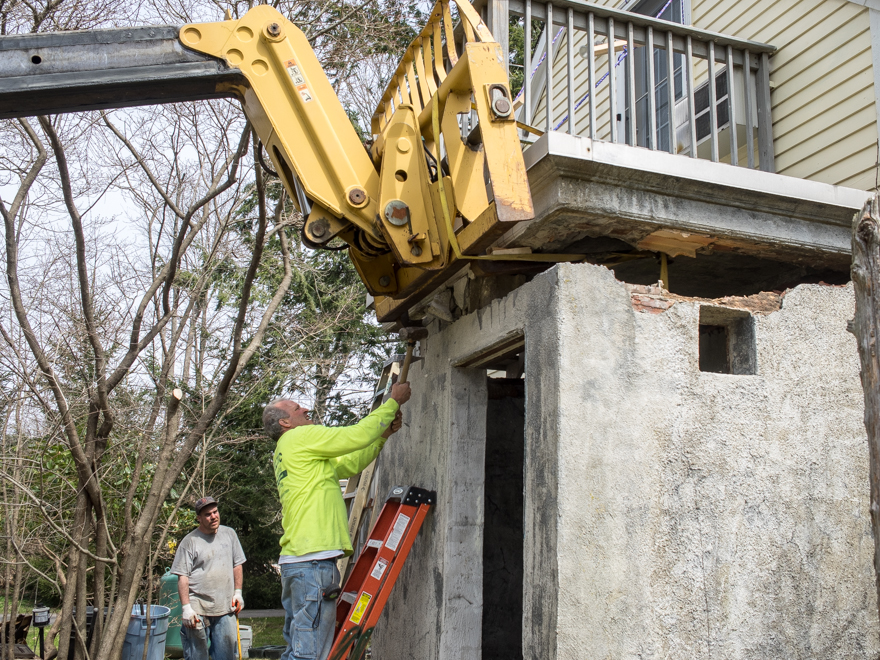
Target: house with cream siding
{"x":824,"y":73}
{"x":658,"y":452}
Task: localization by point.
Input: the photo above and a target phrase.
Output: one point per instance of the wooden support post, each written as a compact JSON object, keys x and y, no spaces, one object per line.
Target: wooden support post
{"x":766,"y":154}
{"x":498,"y":13}
{"x":866,"y":327}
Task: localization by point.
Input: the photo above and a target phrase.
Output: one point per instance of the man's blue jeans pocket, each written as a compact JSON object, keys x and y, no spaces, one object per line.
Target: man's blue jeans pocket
{"x":309,"y":620}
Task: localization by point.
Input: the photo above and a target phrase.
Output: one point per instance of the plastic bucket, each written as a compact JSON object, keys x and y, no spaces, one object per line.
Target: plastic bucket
{"x":247,"y":639}
{"x":136,"y":635}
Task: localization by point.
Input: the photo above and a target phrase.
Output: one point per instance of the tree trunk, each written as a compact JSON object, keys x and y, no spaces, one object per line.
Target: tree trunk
{"x":866,"y":327}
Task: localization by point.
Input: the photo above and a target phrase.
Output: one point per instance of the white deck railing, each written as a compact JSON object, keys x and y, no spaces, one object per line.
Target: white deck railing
{"x":624,"y":93}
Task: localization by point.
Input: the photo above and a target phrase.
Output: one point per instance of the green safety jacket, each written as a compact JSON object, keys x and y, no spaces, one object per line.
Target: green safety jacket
{"x":309,"y":462}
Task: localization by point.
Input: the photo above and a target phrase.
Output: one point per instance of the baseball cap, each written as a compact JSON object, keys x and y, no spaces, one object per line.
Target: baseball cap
{"x":202,"y":502}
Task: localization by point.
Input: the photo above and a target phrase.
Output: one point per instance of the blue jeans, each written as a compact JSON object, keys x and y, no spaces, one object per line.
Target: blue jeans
{"x":309,"y":621}
{"x":222,"y":633}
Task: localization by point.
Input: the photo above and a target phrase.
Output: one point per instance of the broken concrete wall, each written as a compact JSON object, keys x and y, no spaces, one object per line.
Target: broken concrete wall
{"x":711,"y":514}
{"x":669,"y":512}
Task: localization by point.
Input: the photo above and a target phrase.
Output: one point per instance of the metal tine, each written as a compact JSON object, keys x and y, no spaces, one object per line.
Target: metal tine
{"x":713,"y":103}
{"x":670,"y":88}
{"x":413,"y":86}
{"x":612,"y":82}
{"x":747,"y":102}
{"x":689,"y":66}
{"x":401,"y":85}
{"x":450,"y":34}
{"x":652,"y":110}
{"x":439,"y":64}
{"x":422,"y":77}
{"x":428,"y":65}
{"x":591,"y":71}
{"x":630,"y":86}
{"x":548,"y":64}
{"x":731,"y":107}
{"x":570,"y":38}
{"x":527,"y":68}
{"x":468,"y":30}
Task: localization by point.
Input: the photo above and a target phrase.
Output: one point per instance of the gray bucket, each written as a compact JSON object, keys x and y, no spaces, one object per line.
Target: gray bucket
{"x":136,"y":635}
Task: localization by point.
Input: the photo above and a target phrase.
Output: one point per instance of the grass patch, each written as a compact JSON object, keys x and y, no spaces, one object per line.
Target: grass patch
{"x":267,"y":632}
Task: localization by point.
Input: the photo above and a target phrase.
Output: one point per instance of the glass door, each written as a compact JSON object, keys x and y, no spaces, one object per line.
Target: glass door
{"x":673,"y":11}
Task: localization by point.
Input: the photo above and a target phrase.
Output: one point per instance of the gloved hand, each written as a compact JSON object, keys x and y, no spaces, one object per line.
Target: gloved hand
{"x":237,"y":601}
{"x":190,"y":618}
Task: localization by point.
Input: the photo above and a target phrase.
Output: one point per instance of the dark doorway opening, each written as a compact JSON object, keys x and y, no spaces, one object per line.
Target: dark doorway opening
{"x":503,"y":530}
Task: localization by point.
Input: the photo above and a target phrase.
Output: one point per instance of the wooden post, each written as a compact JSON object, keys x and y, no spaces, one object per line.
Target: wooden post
{"x":498,"y":13}
{"x":866,"y":327}
{"x":766,"y":154}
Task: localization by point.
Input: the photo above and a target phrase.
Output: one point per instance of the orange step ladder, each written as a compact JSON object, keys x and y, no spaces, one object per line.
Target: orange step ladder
{"x":368,"y":587}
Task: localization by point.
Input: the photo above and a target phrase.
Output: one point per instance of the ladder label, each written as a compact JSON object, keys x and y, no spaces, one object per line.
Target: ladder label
{"x":374,"y":543}
{"x":397,"y":531}
{"x":379,"y":569}
{"x":360,"y":608}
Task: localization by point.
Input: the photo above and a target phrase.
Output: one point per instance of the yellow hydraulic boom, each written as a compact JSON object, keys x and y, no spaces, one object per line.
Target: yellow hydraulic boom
{"x":445,"y":175}
{"x":386,"y":204}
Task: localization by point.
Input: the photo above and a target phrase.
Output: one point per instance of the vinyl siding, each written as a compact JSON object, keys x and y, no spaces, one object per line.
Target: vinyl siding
{"x":823,"y":100}
{"x":823,"y":103}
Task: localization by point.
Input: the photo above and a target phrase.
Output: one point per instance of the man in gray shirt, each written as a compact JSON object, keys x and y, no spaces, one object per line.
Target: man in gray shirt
{"x":208,"y":565}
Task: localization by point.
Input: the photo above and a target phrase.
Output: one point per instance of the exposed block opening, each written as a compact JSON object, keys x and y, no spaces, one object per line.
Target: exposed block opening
{"x":727,"y":341}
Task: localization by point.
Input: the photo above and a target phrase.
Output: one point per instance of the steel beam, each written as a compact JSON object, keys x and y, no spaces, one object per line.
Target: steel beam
{"x":95,"y":69}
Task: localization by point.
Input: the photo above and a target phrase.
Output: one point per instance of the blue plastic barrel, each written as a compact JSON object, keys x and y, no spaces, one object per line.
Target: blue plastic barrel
{"x":136,"y":635}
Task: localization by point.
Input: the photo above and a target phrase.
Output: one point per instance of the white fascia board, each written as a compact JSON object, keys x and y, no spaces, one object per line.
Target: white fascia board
{"x":870,"y":4}
{"x":696,"y":169}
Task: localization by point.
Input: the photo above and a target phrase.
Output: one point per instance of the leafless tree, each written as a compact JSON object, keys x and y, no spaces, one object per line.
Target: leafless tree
{"x":139,"y":287}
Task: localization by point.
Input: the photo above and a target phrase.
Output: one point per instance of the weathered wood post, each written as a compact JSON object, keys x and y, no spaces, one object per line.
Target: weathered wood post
{"x":866,"y":327}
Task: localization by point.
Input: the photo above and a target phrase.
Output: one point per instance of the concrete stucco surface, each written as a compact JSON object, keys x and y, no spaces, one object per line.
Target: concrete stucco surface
{"x":669,"y":513}
{"x":711,"y":515}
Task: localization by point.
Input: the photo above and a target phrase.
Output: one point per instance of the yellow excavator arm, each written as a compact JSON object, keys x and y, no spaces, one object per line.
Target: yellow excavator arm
{"x":445,"y":175}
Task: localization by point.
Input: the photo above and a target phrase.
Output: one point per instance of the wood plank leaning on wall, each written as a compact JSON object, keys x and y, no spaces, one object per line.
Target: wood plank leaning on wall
{"x":866,"y":327}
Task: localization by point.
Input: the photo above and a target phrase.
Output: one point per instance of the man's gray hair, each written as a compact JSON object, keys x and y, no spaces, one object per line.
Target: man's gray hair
{"x":272,"y":414}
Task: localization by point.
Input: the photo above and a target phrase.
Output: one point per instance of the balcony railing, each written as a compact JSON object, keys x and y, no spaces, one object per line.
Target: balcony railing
{"x":633,"y":79}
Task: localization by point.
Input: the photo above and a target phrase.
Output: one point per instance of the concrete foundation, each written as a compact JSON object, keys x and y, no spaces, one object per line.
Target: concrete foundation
{"x":667,"y":512}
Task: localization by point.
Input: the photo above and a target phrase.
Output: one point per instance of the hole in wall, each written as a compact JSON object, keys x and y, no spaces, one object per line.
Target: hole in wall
{"x":711,"y":275}
{"x":36,"y":59}
{"x":727,"y":342}
{"x":713,"y":349}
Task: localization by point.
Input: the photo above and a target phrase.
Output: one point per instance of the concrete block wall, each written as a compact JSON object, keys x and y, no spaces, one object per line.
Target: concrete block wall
{"x":669,"y":512}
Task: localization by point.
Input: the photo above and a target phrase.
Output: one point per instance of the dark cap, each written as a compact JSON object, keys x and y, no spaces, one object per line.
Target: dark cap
{"x":202,"y":502}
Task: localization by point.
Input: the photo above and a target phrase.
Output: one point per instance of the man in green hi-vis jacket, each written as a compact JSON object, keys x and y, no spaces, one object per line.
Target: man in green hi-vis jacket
{"x":309,"y":462}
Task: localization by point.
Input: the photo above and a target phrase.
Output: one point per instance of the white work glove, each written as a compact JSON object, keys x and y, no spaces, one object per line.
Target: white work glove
{"x":237,"y":601}
{"x":190,"y":618}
